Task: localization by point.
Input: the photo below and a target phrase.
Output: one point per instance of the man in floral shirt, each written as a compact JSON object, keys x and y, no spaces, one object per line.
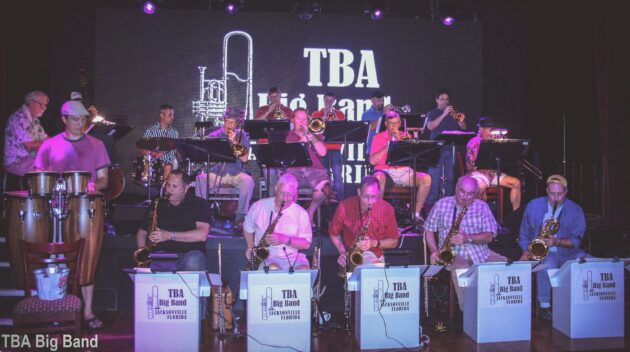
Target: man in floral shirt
{"x":23,"y":137}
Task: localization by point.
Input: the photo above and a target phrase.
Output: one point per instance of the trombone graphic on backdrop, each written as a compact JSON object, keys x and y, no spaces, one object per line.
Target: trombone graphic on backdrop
{"x":152,"y":302}
{"x":213,"y":93}
{"x":378,"y":295}
{"x":266,"y":304}
{"x":587,"y":285}
{"x":494,"y":288}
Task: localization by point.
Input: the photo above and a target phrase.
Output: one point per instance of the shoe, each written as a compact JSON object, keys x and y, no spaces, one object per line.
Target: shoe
{"x":545,"y":314}
{"x":93,"y":324}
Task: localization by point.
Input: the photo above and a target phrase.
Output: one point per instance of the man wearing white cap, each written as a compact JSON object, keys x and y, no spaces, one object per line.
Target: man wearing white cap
{"x":73,"y":150}
{"x":564,"y":245}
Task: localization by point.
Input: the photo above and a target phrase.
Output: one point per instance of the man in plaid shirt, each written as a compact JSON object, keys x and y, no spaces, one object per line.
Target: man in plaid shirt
{"x":477,"y":229}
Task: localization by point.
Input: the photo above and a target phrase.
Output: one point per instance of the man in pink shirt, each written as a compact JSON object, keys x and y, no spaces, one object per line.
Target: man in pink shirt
{"x":398,"y":175}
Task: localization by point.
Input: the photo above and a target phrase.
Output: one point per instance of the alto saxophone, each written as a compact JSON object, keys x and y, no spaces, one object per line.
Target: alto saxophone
{"x":141,"y":255}
{"x":261,"y":251}
{"x":537,"y":248}
{"x":355,"y":255}
{"x":446,"y":255}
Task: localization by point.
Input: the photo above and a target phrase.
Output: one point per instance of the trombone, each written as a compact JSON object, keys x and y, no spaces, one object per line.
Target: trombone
{"x":316,"y":125}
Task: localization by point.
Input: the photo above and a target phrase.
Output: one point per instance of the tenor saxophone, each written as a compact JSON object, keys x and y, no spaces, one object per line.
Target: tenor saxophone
{"x":141,"y":255}
{"x":537,"y":248}
{"x":446,"y":255}
{"x":261,"y":251}
{"x":355,"y":255}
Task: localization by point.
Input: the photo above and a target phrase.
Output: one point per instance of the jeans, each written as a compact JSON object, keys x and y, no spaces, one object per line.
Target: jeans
{"x":446,"y":159}
{"x":553,"y":261}
{"x":194,"y":261}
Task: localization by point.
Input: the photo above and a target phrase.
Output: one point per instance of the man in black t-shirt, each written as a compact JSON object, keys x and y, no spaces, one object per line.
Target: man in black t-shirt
{"x":183,"y":223}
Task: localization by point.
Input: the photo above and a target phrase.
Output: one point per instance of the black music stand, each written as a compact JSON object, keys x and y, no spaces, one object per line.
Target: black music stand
{"x":454,"y":138}
{"x":281,"y":155}
{"x":500,"y":153}
{"x":274,"y":130}
{"x":414,"y":154}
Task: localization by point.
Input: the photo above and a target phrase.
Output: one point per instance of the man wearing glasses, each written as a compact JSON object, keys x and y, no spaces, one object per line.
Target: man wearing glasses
{"x":365,"y":210}
{"x":398,"y":175}
{"x":292,"y":230}
{"x":22,"y":138}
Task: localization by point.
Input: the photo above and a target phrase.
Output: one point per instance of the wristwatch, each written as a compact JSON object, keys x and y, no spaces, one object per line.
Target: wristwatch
{"x":469,"y":239}
{"x":378,"y":243}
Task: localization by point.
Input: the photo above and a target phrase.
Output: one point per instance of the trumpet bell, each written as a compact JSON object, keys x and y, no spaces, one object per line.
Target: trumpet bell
{"x":238,"y":150}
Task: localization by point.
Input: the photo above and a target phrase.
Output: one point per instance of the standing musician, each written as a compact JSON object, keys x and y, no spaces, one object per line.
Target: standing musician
{"x":164,"y":128}
{"x":399,"y":175}
{"x":351,"y":216}
{"x":487,"y":178}
{"x":314,"y":177}
{"x":291,"y":233}
{"x":443,"y":118}
{"x":333,"y":155}
{"x":564,"y":245}
{"x":22,"y":138}
{"x":230,"y":173}
{"x":73,"y":150}
{"x":477,"y":229}
{"x":274,"y":110}
{"x":373,"y":115}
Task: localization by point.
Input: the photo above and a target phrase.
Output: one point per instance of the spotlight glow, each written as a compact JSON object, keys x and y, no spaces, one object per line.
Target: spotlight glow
{"x":231,"y":8}
{"x":148,"y":8}
{"x":448,"y":20}
{"x":377,"y":14}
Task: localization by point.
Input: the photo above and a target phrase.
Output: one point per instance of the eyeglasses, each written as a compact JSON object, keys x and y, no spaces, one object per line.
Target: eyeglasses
{"x":370,"y":197}
{"x":41,"y":105}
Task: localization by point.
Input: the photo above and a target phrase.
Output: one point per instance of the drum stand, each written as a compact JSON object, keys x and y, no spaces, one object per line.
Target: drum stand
{"x":59,"y":210}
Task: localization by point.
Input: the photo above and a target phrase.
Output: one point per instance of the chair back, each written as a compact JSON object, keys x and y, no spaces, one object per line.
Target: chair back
{"x":41,"y":255}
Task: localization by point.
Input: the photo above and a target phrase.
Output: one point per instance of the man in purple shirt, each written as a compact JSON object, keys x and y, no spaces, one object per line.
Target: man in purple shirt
{"x":73,"y":150}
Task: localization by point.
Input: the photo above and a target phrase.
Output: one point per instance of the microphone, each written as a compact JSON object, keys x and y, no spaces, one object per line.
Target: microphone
{"x":291,"y":269}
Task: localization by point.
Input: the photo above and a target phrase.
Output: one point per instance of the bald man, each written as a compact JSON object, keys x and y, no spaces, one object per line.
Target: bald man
{"x":477,"y":229}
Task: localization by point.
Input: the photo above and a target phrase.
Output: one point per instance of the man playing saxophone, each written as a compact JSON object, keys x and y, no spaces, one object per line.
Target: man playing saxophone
{"x":564,"y":245}
{"x":231,"y":174}
{"x":292,"y":230}
{"x":477,"y":228}
{"x":365,"y":209}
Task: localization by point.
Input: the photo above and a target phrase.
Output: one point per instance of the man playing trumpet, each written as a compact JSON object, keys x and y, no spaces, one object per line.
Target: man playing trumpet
{"x":564,"y":245}
{"x":399,"y":175}
{"x":352,"y":214}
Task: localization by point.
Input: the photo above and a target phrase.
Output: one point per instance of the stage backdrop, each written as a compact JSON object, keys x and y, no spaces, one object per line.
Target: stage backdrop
{"x":176,"y":58}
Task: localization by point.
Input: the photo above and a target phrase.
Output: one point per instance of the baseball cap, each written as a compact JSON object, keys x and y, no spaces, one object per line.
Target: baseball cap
{"x":73,"y":108}
{"x":558,"y":179}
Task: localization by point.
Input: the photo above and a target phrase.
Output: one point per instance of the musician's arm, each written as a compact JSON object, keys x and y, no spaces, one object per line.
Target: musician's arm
{"x":386,"y":243}
{"x":249,"y":239}
{"x":199,"y":234}
{"x":141,"y":238}
{"x":480,"y":238}
{"x":429,"y":237}
{"x":101,"y":179}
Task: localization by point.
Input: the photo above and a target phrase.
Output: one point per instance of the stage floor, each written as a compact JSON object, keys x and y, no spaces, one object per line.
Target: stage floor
{"x":117,"y":335}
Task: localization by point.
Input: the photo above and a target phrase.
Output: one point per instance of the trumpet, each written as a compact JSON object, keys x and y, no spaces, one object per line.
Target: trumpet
{"x":458,"y":115}
{"x":405,"y":109}
{"x":239,"y":149}
{"x":316,"y":125}
{"x":278,"y":114}
{"x":329,"y":114}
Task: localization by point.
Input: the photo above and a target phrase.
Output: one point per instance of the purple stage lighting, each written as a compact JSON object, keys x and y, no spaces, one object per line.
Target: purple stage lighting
{"x":231,"y":8}
{"x":448,"y":20}
{"x":377,"y":14}
{"x":148,"y":8}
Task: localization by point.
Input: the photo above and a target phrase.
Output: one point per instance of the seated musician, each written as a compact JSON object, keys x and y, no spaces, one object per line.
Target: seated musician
{"x":292,"y":230}
{"x":398,"y":175}
{"x":164,"y":129}
{"x":73,"y":150}
{"x":229,"y":173}
{"x":487,"y":178}
{"x":316,"y":176}
{"x":562,"y":246}
{"x":469,"y":241}
{"x":365,"y":209}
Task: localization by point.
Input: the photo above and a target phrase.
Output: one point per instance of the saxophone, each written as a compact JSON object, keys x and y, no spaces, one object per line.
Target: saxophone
{"x":141,"y":255}
{"x":446,"y":254}
{"x":261,"y":251}
{"x":537,"y":248}
{"x":355,"y":255}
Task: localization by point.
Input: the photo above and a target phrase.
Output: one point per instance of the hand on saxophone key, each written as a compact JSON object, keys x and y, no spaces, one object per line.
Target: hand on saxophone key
{"x":434,"y":258}
{"x":459,"y":238}
{"x":551,"y":241}
{"x":276,"y":239}
{"x":248,"y":253}
{"x":159,"y":235}
{"x":366,"y":244}
{"x":342,"y":259}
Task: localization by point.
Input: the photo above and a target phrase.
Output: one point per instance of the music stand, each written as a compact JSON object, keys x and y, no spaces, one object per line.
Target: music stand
{"x":454,"y":138}
{"x":414,"y":124}
{"x":281,"y":155}
{"x":500,"y":153}
{"x":414,"y":154}
{"x":208,"y":150}
{"x":274,"y":130}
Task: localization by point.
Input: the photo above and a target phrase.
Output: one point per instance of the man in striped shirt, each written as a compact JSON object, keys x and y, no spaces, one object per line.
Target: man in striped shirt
{"x":164,"y":128}
{"x":477,"y":229}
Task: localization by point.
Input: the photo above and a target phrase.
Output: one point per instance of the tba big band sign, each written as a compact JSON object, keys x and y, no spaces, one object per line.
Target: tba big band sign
{"x":397,"y":297}
{"x":595,"y":286}
{"x":507,"y":289}
{"x":166,"y":303}
{"x":281,"y":304}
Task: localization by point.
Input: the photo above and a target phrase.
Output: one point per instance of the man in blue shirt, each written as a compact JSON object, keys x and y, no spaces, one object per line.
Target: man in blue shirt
{"x":373,"y":115}
{"x":438,"y":120}
{"x":229,"y":173}
{"x":564,"y":245}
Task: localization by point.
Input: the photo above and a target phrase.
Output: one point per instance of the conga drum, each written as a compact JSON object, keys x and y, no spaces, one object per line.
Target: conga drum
{"x":115,"y":181}
{"x":41,"y":183}
{"x":27,"y":218}
{"x":76,"y":182}
{"x":85,"y":220}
